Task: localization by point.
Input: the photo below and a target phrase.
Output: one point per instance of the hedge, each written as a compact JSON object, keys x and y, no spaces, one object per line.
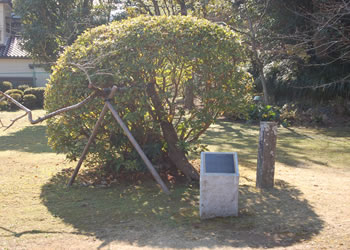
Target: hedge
{"x":5,"y":85}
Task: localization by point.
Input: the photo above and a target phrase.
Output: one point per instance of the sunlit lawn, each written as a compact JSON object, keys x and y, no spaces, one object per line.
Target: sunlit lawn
{"x":37,"y":208}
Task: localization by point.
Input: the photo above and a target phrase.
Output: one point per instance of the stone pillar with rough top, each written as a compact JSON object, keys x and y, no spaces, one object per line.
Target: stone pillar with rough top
{"x":266,"y":155}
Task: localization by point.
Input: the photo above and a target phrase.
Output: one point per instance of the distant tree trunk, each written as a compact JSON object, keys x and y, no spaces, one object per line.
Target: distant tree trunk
{"x":189,"y":95}
{"x":176,"y":155}
{"x":156,"y":7}
{"x":183,"y":7}
{"x":86,"y":7}
{"x":259,"y":63}
{"x":267,"y":97}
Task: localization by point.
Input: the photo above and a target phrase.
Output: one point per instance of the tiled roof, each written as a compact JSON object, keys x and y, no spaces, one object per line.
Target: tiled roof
{"x":12,"y":49}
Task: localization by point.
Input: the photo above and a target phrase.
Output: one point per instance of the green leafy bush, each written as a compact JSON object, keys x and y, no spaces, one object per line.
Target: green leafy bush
{"x":23,"y":87}
{"x":14,"y":91}
{"x":154,"y":60}
{"x":262,"y":112}
{"x":3,"y":106}
{"x":39,"y":92}
{"x":18,"y":97}
{"x":30,"y":101}
{"x":5,"y":85}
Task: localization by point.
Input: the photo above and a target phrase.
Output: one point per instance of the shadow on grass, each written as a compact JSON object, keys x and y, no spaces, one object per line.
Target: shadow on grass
{"x":141,"y":214}
{"x":238,"y":137}
{"x":20,"y":234}
{"x":30,"y":139}
{"x":294,"y":147}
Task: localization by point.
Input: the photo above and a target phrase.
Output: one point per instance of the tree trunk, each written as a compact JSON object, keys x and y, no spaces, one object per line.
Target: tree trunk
{"x":189,"y":96}
{"x":183,"y":7}
{"x":156,"y":7}
{"x":176,"y":155}
{"x":258,"y":62}
{"x":267,"y":98}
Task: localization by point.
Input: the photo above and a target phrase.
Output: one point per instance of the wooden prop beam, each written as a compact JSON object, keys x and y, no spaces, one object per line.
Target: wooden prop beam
{"x":138,"y":148}
{"x":86,"y":149}
{"x":109,"y":106}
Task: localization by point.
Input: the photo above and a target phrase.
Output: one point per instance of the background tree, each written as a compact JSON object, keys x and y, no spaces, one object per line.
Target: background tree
{"x":48,"y":26}
{"x":298,"y":49}
{"x":317,"y":42}
{"x":250,"y":18}
{"x":153,"y":60}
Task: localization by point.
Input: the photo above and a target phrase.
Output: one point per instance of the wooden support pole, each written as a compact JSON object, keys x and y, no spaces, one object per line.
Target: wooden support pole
{"x":86,"y":149}
{"x":138,"y":148}
{"x":92,"y":137}
{"x":266,"y":155}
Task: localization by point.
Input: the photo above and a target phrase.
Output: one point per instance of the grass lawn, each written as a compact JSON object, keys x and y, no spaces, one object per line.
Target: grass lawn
{"x":308,"y":208}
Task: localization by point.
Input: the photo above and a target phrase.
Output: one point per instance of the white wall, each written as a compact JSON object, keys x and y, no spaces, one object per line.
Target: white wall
{"x":2,"y":23}
{"x":20,"y":68}
{"x":42,"y":77}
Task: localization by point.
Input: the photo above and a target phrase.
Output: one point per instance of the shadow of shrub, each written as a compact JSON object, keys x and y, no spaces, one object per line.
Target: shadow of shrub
{"x":141,"y":214}
{"x":31,"y":139}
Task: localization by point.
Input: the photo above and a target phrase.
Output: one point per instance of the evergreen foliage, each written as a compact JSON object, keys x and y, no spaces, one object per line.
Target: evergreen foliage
{"x":30,"y":101}
{"x":39,"y":93}
{"x":5,"y":85}
{"x":151,"y":59}
{"x":23,"y":87}
{"x":15,"y":91}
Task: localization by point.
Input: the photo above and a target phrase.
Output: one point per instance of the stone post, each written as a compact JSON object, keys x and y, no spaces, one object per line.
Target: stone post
{"x":266,"y":155}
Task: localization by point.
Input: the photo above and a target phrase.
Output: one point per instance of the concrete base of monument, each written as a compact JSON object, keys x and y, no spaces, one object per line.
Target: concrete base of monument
{"x":219,"y":181}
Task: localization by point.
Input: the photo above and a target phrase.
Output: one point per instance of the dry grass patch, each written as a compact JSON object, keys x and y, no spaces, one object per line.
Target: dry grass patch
{"x":308,"y":207}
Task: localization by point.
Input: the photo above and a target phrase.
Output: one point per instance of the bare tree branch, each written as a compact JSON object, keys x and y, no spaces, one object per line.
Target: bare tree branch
{"x":13,"y":121}
{"x":40,"y":119}
{"x":325,"y":85}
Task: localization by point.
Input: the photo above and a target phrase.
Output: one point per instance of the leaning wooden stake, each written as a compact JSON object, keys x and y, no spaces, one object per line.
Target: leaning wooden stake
{"x":109,"y":106}
{"x":86,"y":149}
{"x":266,"y":155}
{"x":138,"y":148}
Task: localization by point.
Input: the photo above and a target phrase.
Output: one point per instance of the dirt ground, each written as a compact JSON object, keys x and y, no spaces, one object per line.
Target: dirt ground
{"x":309,"y":208}
{"x":327,"y":194}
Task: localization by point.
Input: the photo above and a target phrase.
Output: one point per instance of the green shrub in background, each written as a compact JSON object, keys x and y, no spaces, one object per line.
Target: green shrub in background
{"x":23,"y":87}
{"x":39,"y":92}
{"x":15,"y":91}
{"x":30,"y":97}
{"x":262,"y":112}
{"x":30,"y":101}
{"x":18,"y":97}
{"x":154,"y":59}
{"x":5,"y":85}
{"x":3,"y":106}
{"x":282,"y":115}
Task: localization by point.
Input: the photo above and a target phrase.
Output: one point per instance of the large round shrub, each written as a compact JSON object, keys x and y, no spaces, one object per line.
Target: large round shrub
{"x":3,"y":106}
{"x":17,"y":96}
{"x":154,"y":59}
{"x":14,"y":91}
{"x":39,"y":93}
{"x":5,"y":85}
{"x":30,"y":101}
{"x":23,"y":87}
